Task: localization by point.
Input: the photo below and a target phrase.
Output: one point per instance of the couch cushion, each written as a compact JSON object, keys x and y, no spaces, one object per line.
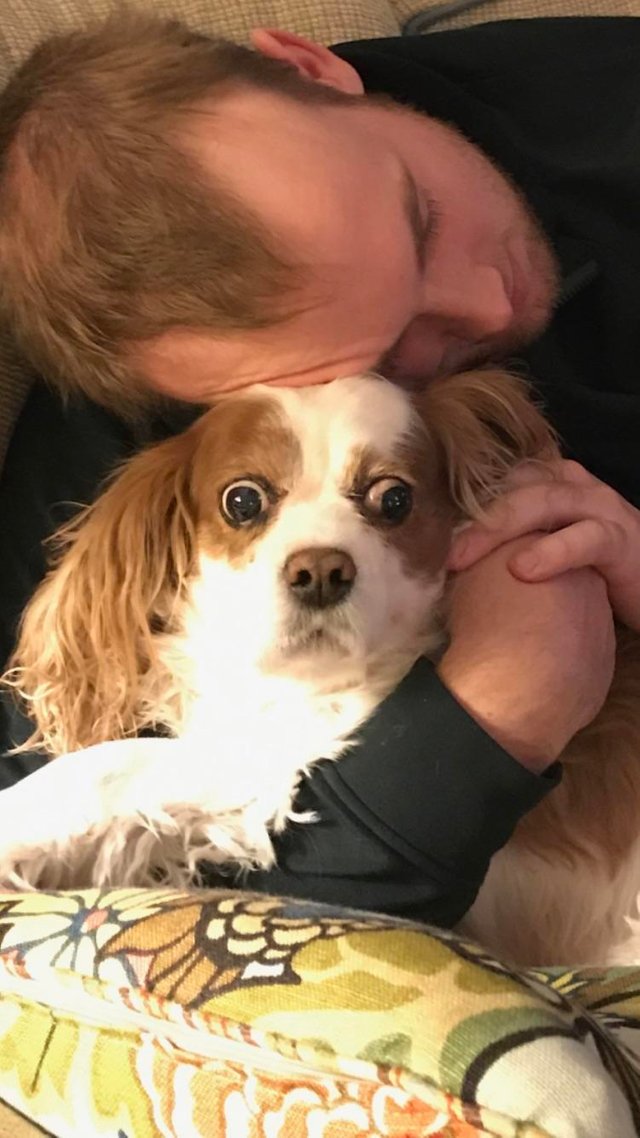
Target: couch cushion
{"x":146,"y":1012}
{"x":25,"y":22}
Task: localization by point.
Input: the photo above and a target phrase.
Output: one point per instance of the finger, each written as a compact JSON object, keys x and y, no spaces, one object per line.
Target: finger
{"x":525,"y":509}
{"x":570,"y":471}
{"x":594,"y":543}
{"x":532,"y":473}
{"x":602,"y":545}
{"x":535,"y":471}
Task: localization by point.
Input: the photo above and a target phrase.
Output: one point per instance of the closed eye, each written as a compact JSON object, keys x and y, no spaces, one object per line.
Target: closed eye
{"x":422,"y":217}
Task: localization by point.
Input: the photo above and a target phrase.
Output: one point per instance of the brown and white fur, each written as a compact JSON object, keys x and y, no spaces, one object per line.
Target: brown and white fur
{"x":260,"y":647}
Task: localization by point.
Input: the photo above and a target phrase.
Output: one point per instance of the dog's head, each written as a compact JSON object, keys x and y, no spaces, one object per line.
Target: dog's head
{"x":322,"y":524}
{"x":286,"y":530}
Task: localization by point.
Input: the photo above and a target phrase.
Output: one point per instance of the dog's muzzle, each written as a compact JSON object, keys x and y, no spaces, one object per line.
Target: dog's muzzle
{"x":319,"y":577}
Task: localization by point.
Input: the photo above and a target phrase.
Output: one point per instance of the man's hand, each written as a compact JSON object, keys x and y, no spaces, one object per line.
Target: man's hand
{"x":532,"y":663}
{"x":583,"y":523}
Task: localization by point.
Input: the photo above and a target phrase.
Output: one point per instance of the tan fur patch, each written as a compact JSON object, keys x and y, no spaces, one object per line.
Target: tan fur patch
{"x":423,"y":539}
{"x":243,"y":437}
{"x":594,"y":813}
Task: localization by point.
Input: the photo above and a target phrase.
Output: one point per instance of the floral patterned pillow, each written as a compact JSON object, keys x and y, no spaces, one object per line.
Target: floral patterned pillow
{"x":137,"y":1013}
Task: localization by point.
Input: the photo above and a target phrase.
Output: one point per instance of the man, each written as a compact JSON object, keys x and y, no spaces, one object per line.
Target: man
{"x":184,"y":218}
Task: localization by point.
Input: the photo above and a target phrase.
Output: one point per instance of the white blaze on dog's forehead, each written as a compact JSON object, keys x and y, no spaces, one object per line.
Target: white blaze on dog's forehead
{"x":333,"y":421}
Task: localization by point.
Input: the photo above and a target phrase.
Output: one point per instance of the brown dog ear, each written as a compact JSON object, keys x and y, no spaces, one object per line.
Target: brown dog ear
{"x":485,"y":423}
{"x":88,"y":638}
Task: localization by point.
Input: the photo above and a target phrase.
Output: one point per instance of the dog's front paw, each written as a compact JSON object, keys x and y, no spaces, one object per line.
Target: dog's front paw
{"x":233,"y":839}
{"x":25,"y":867}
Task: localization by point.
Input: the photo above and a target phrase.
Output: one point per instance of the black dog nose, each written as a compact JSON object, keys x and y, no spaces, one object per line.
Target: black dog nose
{"x":320,"y":577}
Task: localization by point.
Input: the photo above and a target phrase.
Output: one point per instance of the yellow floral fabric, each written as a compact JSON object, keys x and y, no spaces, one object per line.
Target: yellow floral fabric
{"x":220,"y":1014}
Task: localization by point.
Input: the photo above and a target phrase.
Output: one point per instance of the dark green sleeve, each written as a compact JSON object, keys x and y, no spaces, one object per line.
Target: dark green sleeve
{"x":409,"y":820}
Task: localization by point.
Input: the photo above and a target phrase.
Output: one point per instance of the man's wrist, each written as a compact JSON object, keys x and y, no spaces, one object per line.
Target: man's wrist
{"x":522,"y":733}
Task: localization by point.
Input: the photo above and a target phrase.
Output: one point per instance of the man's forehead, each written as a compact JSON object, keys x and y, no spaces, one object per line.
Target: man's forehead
{"x":304,"y":168}
{"x":357,"y":264}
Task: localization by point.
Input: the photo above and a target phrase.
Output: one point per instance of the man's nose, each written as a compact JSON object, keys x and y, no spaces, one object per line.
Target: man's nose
{"x":471,"y":307}
{"x":460,"y":318}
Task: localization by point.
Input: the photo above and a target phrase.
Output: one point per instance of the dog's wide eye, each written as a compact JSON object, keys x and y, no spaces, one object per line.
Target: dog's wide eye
{"x":244,"y":502}
{"x":389,"y":499}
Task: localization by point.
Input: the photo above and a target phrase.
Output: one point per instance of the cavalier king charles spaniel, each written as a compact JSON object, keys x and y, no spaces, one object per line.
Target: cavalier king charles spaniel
{"x":253,"y":588}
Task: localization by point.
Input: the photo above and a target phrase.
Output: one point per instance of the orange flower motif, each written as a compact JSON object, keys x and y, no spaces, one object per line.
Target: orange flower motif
{"x":191,"y":952}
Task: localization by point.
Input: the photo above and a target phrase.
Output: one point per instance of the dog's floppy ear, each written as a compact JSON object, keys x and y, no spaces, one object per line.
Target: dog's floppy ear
{"x":87,"y":638}
{"x":485,"y":424}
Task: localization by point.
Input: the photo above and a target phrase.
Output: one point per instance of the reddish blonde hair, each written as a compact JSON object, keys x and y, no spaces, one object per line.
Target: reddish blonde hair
{"x":109,"y":233}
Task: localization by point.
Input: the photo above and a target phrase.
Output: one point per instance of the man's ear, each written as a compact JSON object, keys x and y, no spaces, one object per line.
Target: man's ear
{"x":311,"y":60}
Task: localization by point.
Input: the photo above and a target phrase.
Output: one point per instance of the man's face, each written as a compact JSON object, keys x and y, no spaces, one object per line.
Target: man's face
{"x":420,"y":257}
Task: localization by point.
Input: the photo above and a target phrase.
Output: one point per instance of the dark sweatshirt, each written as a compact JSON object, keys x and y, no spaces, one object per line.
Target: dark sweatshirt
{"x":411,"y":818}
